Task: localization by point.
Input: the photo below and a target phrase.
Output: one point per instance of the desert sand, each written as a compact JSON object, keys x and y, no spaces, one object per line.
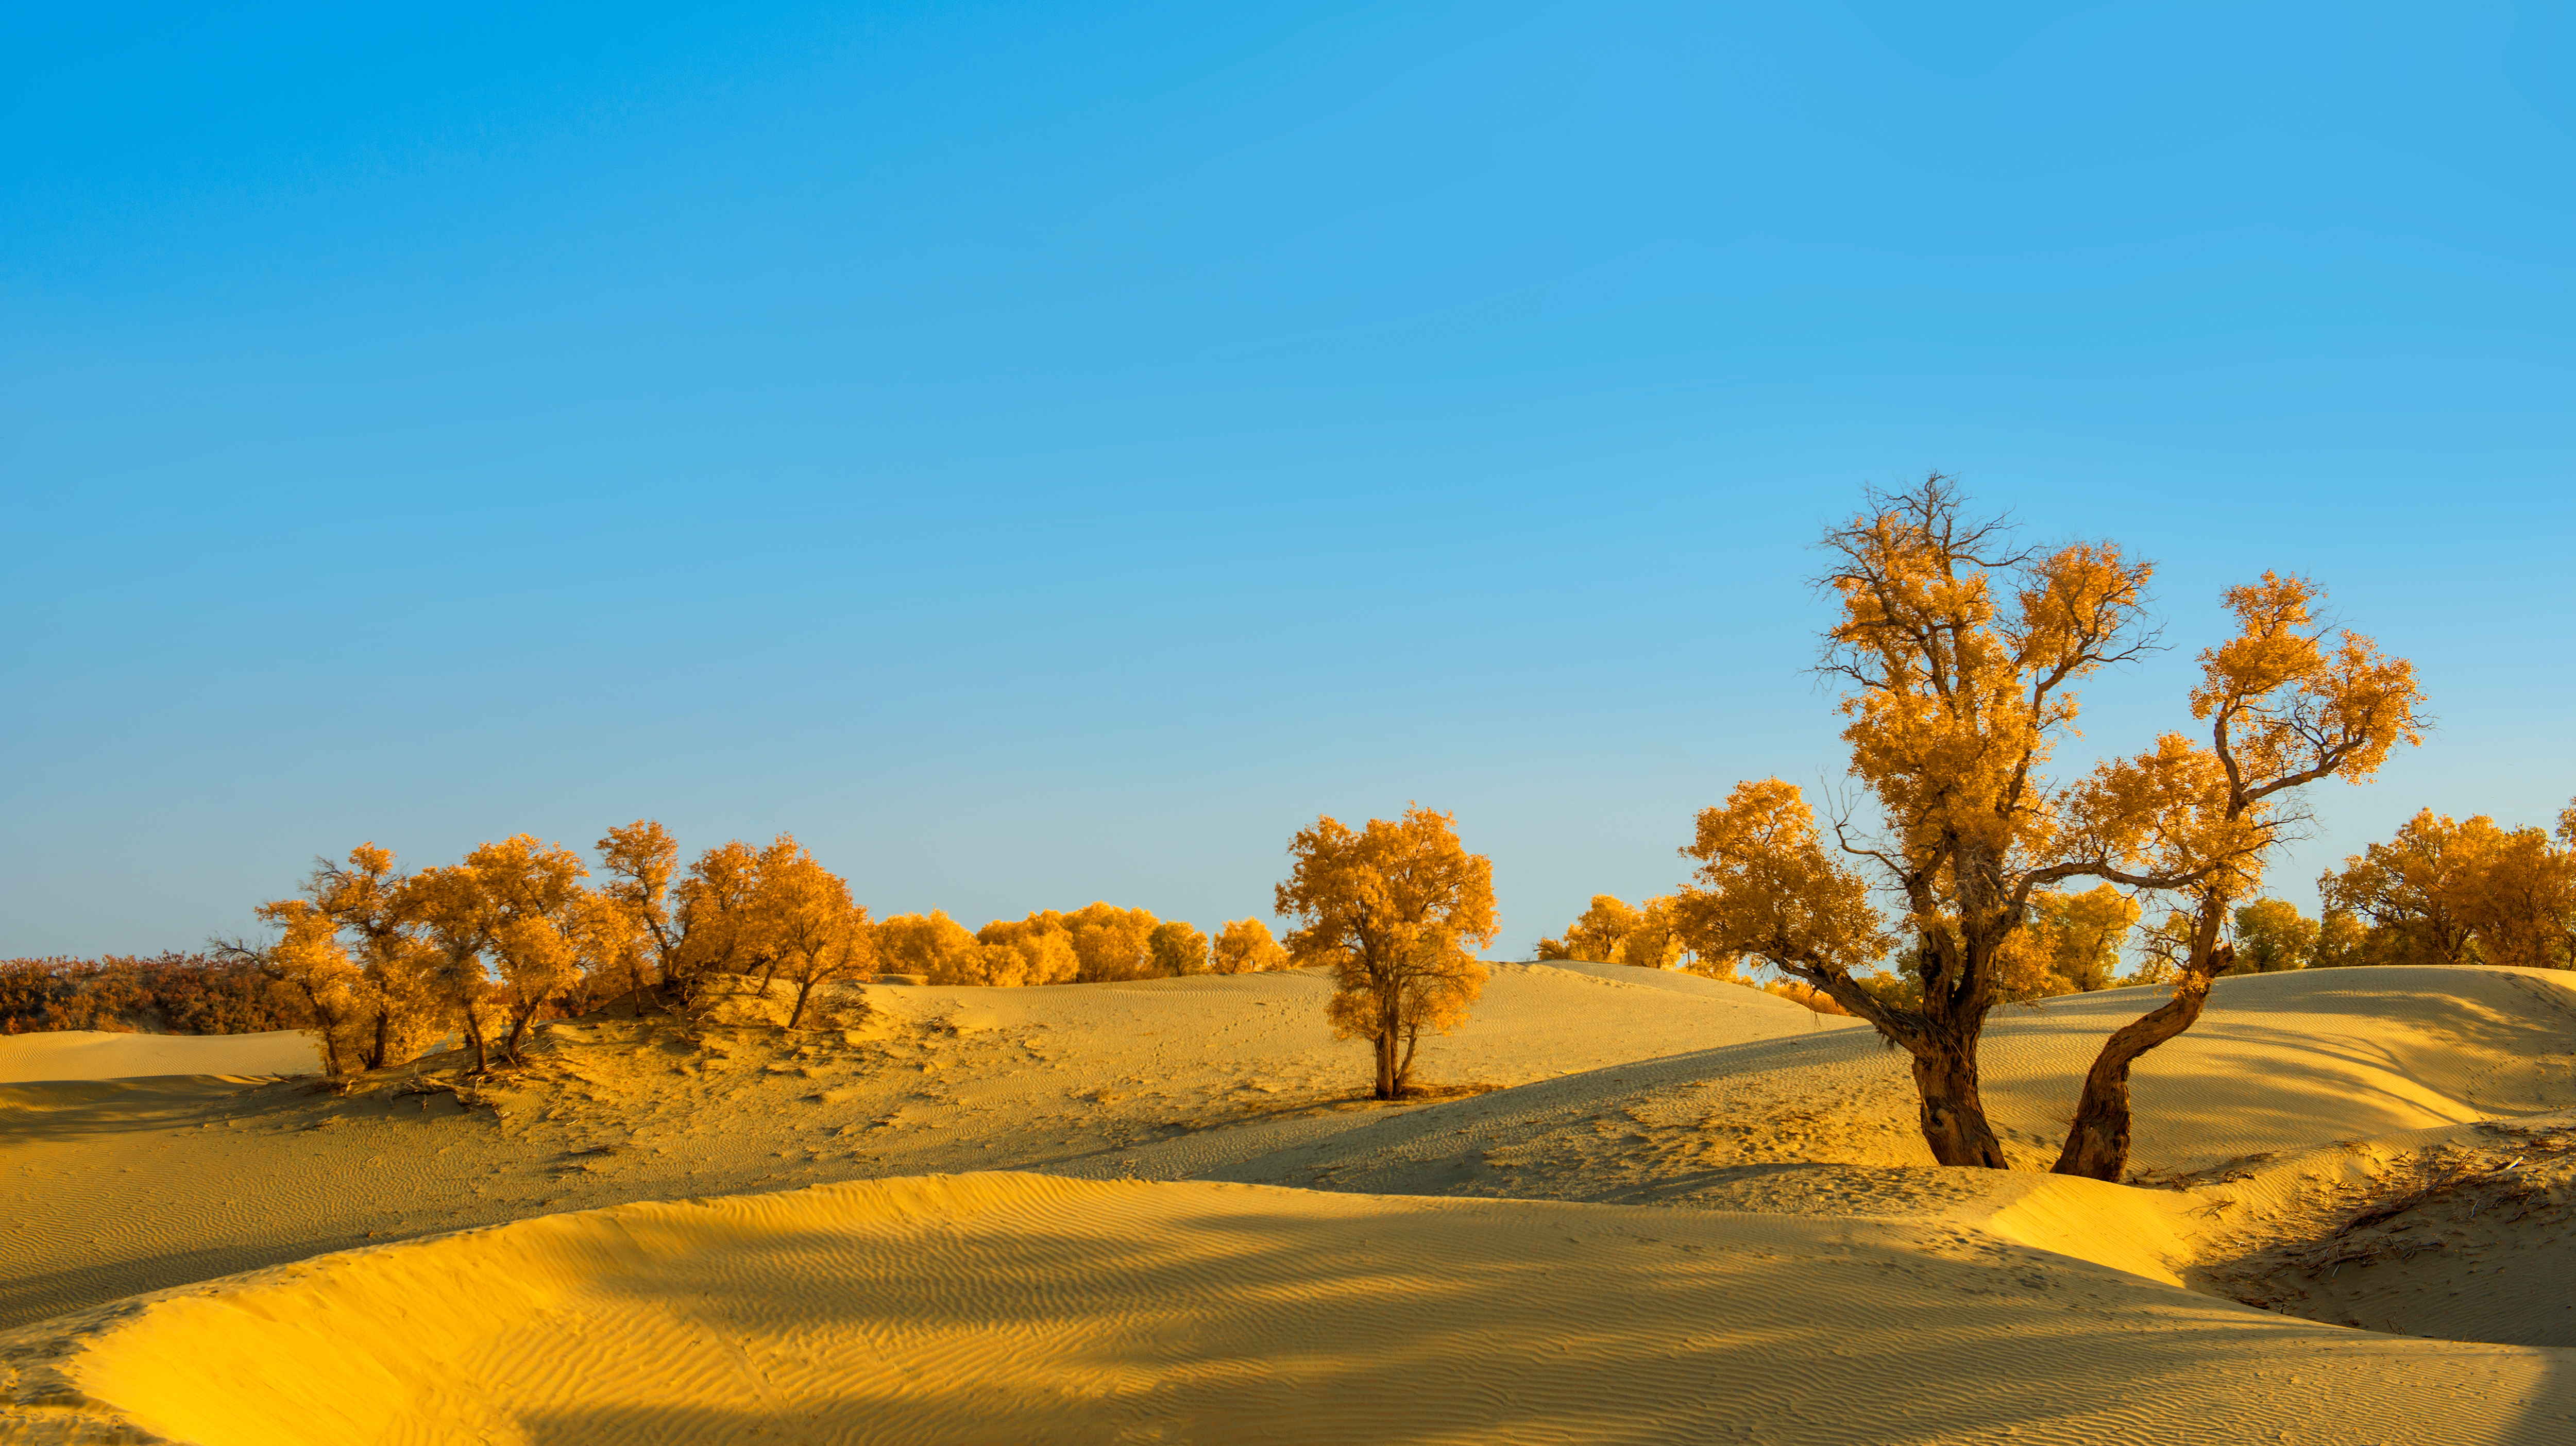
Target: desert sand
{"x":85,"y":1054}
{"x":1640,"y":1208}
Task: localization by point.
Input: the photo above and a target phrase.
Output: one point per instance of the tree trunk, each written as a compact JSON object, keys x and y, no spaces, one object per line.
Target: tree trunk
{"x":804,"y":990}
{"x":474,"y":1036}
{"x":518,"y":1030}
{"x":2097,"y":1144}
{"x":1950,"y":1108}
{"x":384,"y":1042}
{"x":1952,"y":1111}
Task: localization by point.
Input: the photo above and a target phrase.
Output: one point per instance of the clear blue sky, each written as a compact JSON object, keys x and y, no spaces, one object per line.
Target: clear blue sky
{"x":1047,"y":453}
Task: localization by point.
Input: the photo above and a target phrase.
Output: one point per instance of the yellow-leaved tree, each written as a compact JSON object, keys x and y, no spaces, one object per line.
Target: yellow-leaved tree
{"x":535,"y":901}
{"x":399,"y":1009}
{"x":1397,"y":910}
{"x":2271,"y":935}
{"x":1113,"y":943}
{"x":309,"y":965}
{"x":1611,"y":932}
{"x":932,"y":945}
{"x":2465,"y":891}
{"x":719,"y":922}
{"x":1958,"y":651}
{"x":815,"y":931}
{"x":639,"y":860}
{"x":2071,"y":945}
{"x":1177,"y":948}
{"x":454,"y":917}
{"x":2288,"y":703}
{"x":1244,"y":946}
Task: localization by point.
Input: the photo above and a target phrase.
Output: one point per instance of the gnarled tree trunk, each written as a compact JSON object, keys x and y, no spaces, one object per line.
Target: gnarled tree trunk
{"x":2097,"y":1145}
{"x":1952,"y":1112}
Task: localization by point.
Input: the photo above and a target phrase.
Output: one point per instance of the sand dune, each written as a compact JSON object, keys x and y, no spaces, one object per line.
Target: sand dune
{"x":84,"y":1054}
{"x":1024,"y":1308}
{"x":136,"y":1186}
{"x":2390,"y":1149}
{"x":2280,"y":1062}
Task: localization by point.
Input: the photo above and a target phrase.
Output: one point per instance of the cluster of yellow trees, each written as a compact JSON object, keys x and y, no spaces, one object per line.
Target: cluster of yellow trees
{"x":1098,"y":944}
{"x":384,"y":963}
{"x":2446,"y":892}
{"x":2443,"y":891}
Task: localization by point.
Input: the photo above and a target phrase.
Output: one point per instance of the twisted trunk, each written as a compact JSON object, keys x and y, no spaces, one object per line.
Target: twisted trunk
{"x":2097,"y":1144}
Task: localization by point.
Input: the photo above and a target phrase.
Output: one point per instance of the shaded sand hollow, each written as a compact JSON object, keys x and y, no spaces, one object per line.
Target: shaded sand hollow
{"x":1686,"y":1215}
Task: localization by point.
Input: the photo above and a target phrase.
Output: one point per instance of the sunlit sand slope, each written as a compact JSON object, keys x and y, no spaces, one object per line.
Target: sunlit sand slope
{"x":1021,"y":1308}
{"x":115,"y":1188}
{"x":82,"y":1054}
{"x":2280,"y":1062}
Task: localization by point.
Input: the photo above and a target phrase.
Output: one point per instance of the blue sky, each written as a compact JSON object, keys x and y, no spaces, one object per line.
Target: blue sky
{"x":1046,"y":453}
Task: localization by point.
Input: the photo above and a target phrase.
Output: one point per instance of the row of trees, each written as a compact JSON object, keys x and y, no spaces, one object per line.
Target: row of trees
{"x":2443,"y":891}
{"x":2455,"y":892}
{"x":1097,"y":944}
{"x":382,"y":963}
{"x":167,"y":993}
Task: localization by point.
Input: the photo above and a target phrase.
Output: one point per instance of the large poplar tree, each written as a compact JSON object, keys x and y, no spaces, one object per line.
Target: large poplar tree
{"x":1958,"y":651}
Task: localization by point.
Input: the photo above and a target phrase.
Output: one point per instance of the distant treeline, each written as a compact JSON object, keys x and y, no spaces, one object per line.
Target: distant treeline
{"x":381,"y":962}
{"x":164,"y":993}
{"x":2443,"y":891}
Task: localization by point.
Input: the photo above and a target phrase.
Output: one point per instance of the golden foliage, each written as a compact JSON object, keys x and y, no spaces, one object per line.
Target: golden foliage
{"x":931,"y":945}
{"x":1176,"y":948}
{"x":814,"y":931}
{"x":1958,"y":653}
{"x":308,"y":962}
{"x":2071,"y":944}
{"x":1806,"y":994}
{"x":2272,"y":935}
{"x":2460,"y":892}
{"x":1765,"y":887}
{"x":639,"y":860}
{"x":1396,"y":910}
{"x":1244,"y":946}
{"x":530,"y":895}
{"x":1611,"y":932}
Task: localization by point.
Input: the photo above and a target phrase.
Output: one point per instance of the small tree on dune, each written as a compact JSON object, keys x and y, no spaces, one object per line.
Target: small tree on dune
{"x":533,"y":895}
{"x":2287,"y":705}
{"x":1177,"y":948}
{"x":1648,"y":936}
{"x":815,"y":930}
{"x":363,"y":896}
{"x":719,"y":922}
{"x":2466,"y":891}
{"x":456,"y":919}
{"x":1396,"y":911}
{"x":308,"y":963}
{"x":1244,"y":946}
{"x":640,"y":860}
{"x":2271,"y":935}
